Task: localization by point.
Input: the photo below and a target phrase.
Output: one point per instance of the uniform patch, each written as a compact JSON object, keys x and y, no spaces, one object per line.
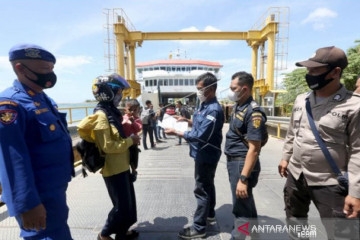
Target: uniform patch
{"x":40,"y":111}
{"x":256,"y":114}
{"x":240,"y":117}
{"x":37,"y":104}
{"x":337,"y":97}
{"x":211,"y":118}
{"x":31,"y":93}
{"x":52,"y":127}
{"x":9,"y":103}
{"x":256,"y":121}
{"x":8,"y":116}
{"x":32,"y":53}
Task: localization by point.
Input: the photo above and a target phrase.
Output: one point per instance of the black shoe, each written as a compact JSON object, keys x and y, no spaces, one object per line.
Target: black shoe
{"x":190,"y":233}
{"x":211,"y":219}
{"x":134,"y":234}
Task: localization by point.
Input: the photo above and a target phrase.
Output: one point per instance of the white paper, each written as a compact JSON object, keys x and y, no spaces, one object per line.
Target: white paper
{"x":170,"y":122}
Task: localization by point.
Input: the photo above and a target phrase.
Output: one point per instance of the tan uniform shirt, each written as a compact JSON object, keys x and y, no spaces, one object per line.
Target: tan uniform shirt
{"x":337,"y":119}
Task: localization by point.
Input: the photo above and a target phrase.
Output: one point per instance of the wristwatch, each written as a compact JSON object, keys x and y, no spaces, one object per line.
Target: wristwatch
{"x":243,"y":178}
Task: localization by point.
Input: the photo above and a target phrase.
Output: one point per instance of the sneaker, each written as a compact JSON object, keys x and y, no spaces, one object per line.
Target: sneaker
{"x":191,"y":233}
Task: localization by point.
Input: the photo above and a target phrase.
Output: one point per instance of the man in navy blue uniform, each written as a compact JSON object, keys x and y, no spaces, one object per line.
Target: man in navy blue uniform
{"x":36,"y":158}
{"x":247,"y":132}
{"x":205,"y":142}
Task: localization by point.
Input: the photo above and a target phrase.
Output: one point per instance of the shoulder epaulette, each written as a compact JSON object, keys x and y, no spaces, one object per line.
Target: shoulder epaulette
{"x":254,"y":105}
{"x":8,"y":102}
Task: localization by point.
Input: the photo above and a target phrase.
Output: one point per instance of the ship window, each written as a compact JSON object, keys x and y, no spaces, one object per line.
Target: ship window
{"x":168,"y":69}
{"x":145,"y":69}
{"x":186,"y":82}
{"x":181,"y":82}
{"x":200,"y":68}
{"x":160,"y":82}
{"x":178,"y":69}
{"x":171,"y":82}
{"x":151,"y":69}
{"x":183,"y":69}
{"x":187,"y":69}
{"x":140,"y":70}
{"x":211,"y":69}
{"x":165,"y":82}
{"x":162,"y":68}
{"x":173,"y":69}
{"x":150,"y":83}
{"x":155,"y":82}
{"x":146,"y":83}
{"x":192,"y":82}
{"x":193,"y":68}
{"x":176,"y":82}
{"x":216,"y":70}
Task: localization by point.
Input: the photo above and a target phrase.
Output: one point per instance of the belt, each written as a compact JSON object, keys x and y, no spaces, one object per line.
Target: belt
{"x":235,"y":158}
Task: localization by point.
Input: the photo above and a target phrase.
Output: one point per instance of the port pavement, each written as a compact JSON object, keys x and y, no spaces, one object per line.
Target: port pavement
{"x":165,"y":199}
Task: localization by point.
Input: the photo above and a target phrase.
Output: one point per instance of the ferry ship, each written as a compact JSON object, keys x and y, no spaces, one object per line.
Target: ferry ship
{"x":174,"y":79}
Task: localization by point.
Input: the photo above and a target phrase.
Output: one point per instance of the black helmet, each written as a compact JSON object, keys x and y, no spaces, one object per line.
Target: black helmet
{"x":106,"y":86}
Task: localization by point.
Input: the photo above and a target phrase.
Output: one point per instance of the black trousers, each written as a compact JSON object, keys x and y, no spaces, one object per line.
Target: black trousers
{"x":123,"y":214}
{"x":329,"y":200}
{"x":147,"y":128}
{"x":204,"y":193}
{"x":244,"y":209}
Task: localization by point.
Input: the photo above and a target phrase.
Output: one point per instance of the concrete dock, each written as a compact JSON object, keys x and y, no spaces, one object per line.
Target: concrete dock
{"x":165,"y":199}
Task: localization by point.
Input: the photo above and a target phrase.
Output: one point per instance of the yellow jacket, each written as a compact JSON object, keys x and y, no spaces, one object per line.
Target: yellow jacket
{"x":96,"y":128}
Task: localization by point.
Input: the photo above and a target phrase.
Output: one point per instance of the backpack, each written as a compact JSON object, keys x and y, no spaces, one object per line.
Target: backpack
{"x":91,"y":157}
{"x":145,"y":116}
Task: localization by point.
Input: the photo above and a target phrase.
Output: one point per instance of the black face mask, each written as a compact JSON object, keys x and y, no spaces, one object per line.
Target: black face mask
{"x":46,"y":80}
{"x":318,"y":82}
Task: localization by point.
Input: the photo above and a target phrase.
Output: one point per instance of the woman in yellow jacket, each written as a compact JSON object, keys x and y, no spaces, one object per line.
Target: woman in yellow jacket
{"x":105,"y":129}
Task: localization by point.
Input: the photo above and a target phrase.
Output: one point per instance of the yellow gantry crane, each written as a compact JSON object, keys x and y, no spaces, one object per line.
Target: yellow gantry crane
{"x":127,"y":39}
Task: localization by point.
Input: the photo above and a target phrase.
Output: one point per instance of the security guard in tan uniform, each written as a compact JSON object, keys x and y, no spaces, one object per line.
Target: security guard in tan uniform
{"x":336,"y":113}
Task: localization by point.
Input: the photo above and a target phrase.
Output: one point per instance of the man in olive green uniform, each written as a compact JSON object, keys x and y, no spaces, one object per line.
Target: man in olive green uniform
{"x":336,"y":113}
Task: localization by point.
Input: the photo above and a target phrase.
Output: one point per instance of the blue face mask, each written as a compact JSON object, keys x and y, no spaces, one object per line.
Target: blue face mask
{"x":47,"y":80}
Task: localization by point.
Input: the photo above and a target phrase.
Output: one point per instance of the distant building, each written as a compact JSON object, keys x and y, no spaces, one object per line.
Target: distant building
{"x":174,"y":78}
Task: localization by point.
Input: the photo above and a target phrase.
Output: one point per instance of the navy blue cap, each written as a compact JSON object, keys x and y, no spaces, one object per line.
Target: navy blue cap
{"x":30,"y":51}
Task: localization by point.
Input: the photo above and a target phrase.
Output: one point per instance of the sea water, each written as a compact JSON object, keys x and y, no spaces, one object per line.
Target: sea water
{"x":78,"y":110}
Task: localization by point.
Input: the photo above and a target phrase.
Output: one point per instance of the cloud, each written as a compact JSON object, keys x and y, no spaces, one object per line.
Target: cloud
{"x":71,"y":64}
{"x":4,"y":62}
{"x":72,"y":32}
{"x":203,"y":42}
{"x":319,"y":18}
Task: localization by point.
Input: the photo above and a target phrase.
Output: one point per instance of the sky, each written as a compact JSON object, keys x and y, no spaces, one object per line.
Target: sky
{"x":73,"y":30}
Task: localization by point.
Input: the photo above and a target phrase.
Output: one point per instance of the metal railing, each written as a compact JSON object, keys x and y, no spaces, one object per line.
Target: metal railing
{"x":278,"y":121}
{"x":70,"y":111}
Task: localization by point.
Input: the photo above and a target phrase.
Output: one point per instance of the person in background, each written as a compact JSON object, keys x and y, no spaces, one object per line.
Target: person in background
{"x":147,"y":116}
{"x":132,"y":126}
{"x":205,"y":140}
{"x":247,"y":130}
{"x":105,"y":129}
{"x":357,"y":85}
{"x":182,"y":112}
{"x":310,"y":177}
{"x":36,"y":156}
{"x":160,"y":117}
